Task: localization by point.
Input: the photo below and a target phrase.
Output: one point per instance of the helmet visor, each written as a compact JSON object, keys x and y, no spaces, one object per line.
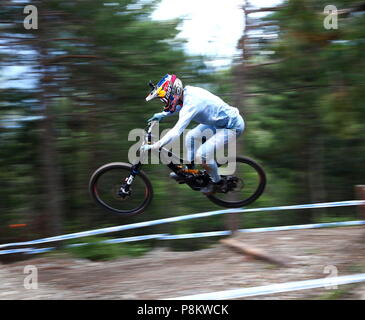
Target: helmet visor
{"x":153,"y":94}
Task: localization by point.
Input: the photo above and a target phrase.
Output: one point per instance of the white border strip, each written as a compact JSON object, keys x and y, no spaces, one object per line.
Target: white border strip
{"x":275,"y":288}
{"x":181,"y":218}
{"x":307,"y":226}
{"x":194,"y":235}
{"x":121,"y":228}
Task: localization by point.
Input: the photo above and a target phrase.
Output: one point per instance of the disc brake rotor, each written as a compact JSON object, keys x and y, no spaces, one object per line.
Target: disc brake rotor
{"x":239,"y":185}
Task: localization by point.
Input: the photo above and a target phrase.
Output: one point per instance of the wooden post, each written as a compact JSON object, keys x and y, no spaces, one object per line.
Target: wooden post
{"x":233,"y":222}
{"x":360,"y":194}
{"x":257,"y":254}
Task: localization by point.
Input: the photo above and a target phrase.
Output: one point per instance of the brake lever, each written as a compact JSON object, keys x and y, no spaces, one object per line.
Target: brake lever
{"x":149,"y":128}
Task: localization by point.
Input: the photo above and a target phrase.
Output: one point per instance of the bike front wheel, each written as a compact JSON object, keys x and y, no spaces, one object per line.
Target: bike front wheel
{"x":105,"y":184}
{"x":250,"y":185}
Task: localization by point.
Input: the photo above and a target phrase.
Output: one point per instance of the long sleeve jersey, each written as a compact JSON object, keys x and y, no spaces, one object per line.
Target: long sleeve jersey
{"x":203,"y":107}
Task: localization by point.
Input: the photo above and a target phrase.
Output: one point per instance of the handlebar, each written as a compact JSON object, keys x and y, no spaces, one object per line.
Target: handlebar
{"x":149,"y":129}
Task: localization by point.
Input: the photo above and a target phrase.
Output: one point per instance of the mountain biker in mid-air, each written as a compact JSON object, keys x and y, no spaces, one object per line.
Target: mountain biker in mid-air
{"x":203,"y":107}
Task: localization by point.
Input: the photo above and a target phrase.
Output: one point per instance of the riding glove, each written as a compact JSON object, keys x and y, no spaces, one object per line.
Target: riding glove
{"x":146,"y":147}
{"x":157,"y":117}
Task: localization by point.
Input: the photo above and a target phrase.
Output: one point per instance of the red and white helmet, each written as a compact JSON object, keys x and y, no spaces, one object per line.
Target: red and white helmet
{"x":170,"y":90}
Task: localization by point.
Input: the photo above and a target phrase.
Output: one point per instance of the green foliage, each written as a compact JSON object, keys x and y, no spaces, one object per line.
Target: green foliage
{"x":90,"y":62}
{"x":307,"y":125}
{"x":89,"y":92}
{"x":342,"y":293}
{"x":96,"y":250}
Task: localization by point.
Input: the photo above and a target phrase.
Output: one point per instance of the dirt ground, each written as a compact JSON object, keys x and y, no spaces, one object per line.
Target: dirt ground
{"x":164,"y":274}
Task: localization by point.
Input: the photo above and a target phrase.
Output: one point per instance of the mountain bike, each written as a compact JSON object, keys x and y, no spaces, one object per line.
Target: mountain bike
{"x":125,"y":189}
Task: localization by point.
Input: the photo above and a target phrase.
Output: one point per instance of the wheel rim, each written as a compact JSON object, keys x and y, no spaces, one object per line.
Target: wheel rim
{"x":106,"y":186}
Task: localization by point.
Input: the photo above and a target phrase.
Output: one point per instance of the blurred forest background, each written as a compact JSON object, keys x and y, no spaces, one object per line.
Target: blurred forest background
{"x":299,"y":86}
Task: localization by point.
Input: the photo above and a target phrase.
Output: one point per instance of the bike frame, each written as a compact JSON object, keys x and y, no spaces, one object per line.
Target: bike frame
{"x":137,"y":167}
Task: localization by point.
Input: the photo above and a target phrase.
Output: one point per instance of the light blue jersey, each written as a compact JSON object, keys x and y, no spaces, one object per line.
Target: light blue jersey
{"x":202,"y":107}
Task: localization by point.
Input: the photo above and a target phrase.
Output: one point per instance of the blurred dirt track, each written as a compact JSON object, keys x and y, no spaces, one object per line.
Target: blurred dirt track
{"x":164,"y":274}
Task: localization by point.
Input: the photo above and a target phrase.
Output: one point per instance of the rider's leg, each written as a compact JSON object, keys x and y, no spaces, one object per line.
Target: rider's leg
{"x":206,"y":152}
{"x":212,"y":170}
{"x":194,"y":139}
{"x":219,"y":140}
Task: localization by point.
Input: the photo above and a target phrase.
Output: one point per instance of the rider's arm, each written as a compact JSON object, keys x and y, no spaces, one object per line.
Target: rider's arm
{"x":159,"y":116}
{"x":168,"y":113}
{"x":177,"y":130}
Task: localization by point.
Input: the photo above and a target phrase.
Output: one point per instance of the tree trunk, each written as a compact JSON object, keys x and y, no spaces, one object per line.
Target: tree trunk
{"x":51,"y":173}
{"x":52,"y":194}
{"x":317,"y":191}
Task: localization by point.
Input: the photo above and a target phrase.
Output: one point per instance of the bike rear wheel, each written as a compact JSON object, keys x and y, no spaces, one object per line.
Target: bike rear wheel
{"x":251,"y":184}
{"x":106,"y":181}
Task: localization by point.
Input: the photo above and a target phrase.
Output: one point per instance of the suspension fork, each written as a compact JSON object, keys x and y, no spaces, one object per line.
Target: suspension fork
{"x":134,"y":171}
{"x":125,"y":187}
